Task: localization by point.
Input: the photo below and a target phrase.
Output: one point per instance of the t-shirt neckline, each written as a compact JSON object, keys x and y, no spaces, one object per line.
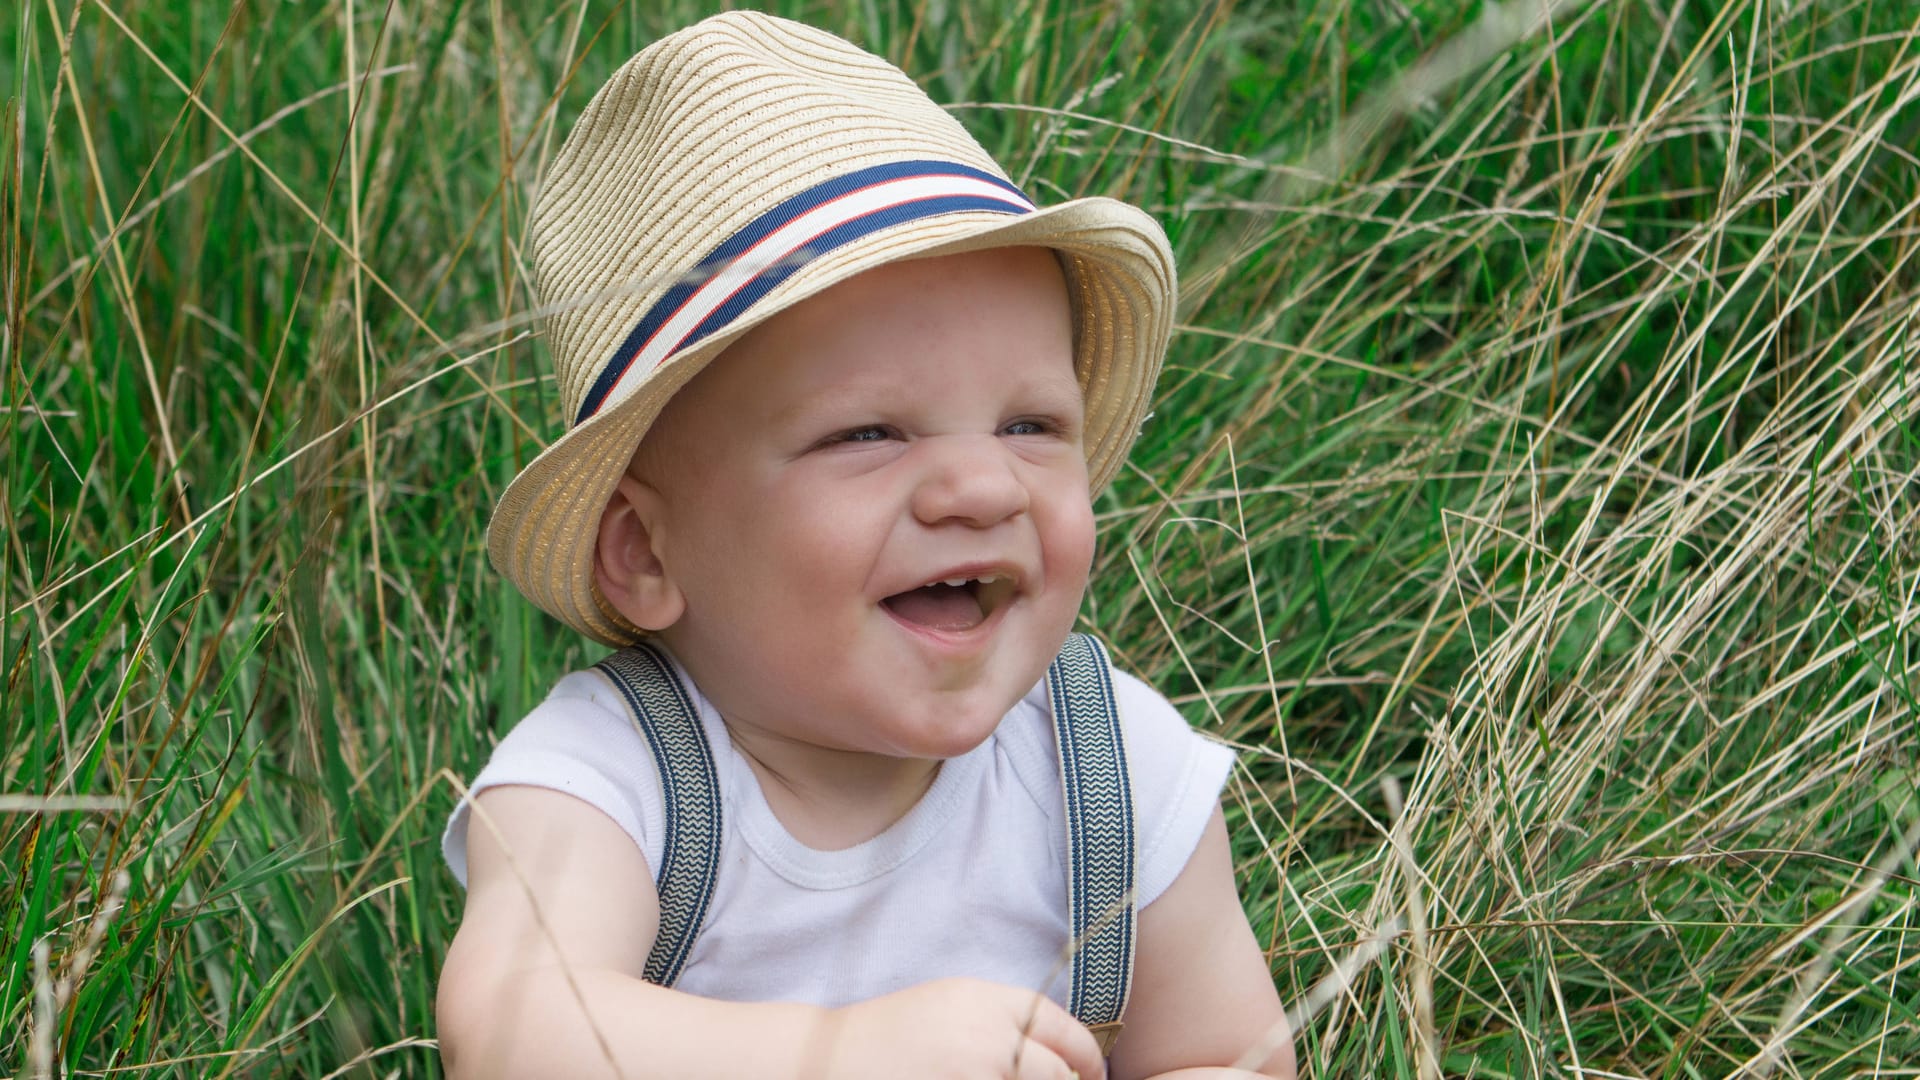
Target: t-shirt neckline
{"x":813,"y":868}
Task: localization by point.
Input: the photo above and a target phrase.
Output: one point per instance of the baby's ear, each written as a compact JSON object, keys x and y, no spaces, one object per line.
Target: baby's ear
{"x":628,"y":571}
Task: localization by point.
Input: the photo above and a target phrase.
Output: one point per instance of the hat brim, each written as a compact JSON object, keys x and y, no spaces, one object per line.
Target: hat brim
{"x":1121,"y":283}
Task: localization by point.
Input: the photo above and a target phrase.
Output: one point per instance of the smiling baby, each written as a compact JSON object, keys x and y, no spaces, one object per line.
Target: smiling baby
{"x":851,"y":799}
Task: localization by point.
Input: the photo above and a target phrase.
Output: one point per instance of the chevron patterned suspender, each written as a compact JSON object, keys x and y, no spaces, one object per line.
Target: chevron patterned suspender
{"x":1099,"y":814}
{"x":1100,"y":855}
{"x":690,"y":853}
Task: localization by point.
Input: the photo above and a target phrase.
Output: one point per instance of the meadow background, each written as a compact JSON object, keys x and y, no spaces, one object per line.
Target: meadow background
{"x":1531,"y":493}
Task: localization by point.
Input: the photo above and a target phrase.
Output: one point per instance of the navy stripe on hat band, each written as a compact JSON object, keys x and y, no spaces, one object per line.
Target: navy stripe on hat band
{"x":782,"y":265}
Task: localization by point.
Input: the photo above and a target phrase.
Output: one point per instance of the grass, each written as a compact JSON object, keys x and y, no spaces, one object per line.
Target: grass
{"x":1531,"y":494}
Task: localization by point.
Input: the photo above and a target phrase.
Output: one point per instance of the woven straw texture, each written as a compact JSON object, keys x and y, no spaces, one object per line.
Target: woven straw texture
{"x":706,"y":133}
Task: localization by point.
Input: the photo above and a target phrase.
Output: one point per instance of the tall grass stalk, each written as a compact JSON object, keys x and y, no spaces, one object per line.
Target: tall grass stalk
{"x":1531,"y":495}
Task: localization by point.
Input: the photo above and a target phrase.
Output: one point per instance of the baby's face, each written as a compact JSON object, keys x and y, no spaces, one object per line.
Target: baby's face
{"x":875,"y":506}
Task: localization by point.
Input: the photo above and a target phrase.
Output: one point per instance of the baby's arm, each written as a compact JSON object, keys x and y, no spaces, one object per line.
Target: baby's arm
{"x":1202,"y":994}
{"x":543,"y":979}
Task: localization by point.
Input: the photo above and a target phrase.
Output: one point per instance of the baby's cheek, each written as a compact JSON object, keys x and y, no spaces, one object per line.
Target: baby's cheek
{"x":1072,"y":541}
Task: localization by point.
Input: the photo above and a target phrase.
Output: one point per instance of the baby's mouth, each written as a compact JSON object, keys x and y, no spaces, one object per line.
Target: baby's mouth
{"x":954,"y":605}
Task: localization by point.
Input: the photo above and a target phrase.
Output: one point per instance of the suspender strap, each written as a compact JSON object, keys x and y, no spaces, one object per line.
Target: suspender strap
{"x":1099,"y":811}
{"x":1100,"y":848}
{"x":690,"y":853}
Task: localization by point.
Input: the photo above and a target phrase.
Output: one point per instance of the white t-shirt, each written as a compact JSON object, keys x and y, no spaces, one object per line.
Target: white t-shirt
{"x":970,"y":882}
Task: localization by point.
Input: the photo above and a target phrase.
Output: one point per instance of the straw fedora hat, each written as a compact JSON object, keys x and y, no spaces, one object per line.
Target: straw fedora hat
{"x":729,"y":171}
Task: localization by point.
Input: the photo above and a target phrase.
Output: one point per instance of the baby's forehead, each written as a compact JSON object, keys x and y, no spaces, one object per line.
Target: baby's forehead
{"x":876,"y":375}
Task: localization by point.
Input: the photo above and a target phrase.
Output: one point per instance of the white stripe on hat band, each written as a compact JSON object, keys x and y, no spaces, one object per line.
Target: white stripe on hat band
{"x":777,"y":247}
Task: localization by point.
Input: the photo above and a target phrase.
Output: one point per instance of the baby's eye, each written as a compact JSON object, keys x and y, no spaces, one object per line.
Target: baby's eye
{"x":1027,"y":427}
{"x":874,"y":433}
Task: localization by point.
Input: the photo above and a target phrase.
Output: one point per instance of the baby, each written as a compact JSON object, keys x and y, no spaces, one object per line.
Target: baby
{"x":854,"y":801}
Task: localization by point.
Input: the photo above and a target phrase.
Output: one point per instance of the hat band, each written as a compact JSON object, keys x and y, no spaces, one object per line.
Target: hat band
{"x":751,"y":262}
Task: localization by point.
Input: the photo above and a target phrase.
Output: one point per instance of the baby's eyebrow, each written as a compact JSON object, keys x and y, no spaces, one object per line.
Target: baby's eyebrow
{"x":808,"y":403}
{"x":1054,"y":395}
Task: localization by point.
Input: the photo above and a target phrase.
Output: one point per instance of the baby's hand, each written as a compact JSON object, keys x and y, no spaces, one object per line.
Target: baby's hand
{"x":961,"y":1029}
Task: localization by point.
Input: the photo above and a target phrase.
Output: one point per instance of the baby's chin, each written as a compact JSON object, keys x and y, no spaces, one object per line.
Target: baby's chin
{"x":938,"y":727}
{"x":961,"y":741}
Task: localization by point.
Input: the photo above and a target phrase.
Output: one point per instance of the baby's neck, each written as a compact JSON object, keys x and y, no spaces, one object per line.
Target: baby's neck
{"x":829,"y":799}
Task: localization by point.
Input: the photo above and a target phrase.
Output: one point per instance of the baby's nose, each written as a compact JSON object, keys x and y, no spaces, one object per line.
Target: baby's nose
{"x":970,"y":479}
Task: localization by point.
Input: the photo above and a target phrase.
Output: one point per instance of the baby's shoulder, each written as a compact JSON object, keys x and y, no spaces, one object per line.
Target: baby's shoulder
{"x":1151,"y":724}
{"x":1174,"y":772}
{"x":581,"y":710}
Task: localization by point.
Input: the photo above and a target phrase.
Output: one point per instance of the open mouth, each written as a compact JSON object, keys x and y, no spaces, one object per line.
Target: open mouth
{"x":954,"y":605}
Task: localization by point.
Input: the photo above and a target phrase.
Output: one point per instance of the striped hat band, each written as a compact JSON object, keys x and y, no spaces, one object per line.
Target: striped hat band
{"x":749,"y":264}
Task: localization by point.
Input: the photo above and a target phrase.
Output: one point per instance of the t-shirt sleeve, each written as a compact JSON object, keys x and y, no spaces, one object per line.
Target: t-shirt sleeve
{"x":1177,"y":776}
{"x":581,"y":742}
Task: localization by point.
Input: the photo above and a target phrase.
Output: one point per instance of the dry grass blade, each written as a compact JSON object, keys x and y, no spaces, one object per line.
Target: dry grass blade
{"x":1426,"y":1042}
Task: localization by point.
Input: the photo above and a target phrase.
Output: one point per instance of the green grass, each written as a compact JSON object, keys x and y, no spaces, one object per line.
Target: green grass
{"x":1540,"y":442}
